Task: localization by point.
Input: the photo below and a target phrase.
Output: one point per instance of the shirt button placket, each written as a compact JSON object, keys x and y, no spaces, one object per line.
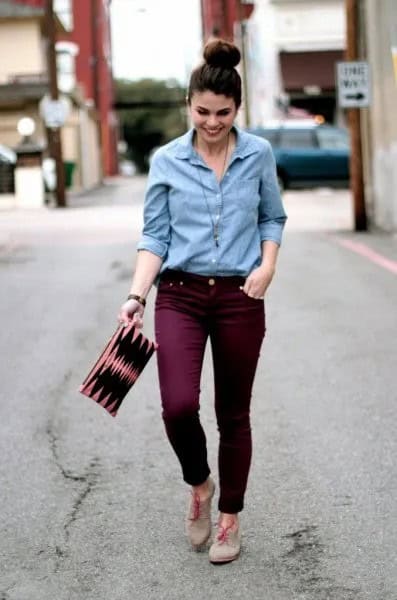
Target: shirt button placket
{"x":218,"y":214}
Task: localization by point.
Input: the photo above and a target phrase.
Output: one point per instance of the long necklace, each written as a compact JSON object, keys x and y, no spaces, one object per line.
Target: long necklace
{"x":216,"y":222}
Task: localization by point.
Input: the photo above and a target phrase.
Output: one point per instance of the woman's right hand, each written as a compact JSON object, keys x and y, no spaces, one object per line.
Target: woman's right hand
{"x":131,"y":312}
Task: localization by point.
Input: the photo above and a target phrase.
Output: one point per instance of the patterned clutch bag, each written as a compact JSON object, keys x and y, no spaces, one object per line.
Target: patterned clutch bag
{"x":118,"y":367}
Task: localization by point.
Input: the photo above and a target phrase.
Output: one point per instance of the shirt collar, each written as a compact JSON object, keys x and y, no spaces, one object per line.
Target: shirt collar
{"x":245,"y":145}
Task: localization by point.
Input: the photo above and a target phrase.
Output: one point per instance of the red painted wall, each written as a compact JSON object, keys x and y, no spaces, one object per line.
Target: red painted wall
{"x":219,"y":17}
{"x":91,"y":33}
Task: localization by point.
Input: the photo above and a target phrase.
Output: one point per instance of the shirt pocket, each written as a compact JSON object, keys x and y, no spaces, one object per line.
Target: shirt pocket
{"x":246,"y":193}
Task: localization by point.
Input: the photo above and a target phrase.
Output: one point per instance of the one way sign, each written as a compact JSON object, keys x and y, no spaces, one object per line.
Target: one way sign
{"x":353,"y":84}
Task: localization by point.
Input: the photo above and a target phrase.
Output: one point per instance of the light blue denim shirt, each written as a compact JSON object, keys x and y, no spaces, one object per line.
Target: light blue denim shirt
{"x":183,"y":198}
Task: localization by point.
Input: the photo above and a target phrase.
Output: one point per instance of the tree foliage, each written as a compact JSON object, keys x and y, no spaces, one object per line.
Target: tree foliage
{"x":146,"y":127}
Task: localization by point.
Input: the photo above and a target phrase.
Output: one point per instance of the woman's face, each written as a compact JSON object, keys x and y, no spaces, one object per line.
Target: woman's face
{"x":212,"y":115}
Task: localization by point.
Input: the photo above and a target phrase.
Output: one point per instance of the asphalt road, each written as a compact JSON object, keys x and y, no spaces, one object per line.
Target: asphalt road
{"x":93,"y":507}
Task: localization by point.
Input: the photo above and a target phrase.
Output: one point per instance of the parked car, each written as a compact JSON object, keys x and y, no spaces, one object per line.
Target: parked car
{"x":308,"y":154}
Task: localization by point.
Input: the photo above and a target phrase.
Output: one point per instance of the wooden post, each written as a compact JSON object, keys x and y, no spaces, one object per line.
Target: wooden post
{"x":54,"y":134}
{"x":356,"y":162}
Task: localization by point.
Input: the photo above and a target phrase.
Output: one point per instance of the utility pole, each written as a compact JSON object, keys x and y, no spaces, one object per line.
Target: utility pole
{"x":356,"y":161}
{"x":54,"y":133}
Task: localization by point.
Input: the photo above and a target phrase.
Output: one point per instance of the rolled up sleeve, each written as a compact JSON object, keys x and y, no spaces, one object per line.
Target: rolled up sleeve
{"x":156,"y":218}
{"x":271,"y":214}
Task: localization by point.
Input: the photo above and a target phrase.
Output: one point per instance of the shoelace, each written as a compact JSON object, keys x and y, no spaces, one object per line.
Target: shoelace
{"x":223,"y":534}
{"x":196,"y":508}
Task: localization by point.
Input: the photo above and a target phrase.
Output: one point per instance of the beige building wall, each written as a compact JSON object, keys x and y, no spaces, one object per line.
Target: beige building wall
{"x":91,"y":160}
{"x":80,"y":144}
{"x":9,"y":135}
{"x":310,"y":25}
{"x":70,"y":146}
{"x":381,"y":29}
{"x":20,"y":42}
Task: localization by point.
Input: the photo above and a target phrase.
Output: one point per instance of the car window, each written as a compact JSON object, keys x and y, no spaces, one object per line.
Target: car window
{"x":270,"y":135}
{"x":297,"y":138}
{"x":332,"y":139}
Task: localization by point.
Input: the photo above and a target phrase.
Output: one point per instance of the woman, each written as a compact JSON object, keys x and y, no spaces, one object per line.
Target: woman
{"x":213,"y":221}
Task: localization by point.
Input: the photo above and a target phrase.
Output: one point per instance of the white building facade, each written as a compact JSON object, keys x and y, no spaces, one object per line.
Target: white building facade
{"x":293,"y":48}
{"x":379,"y":41}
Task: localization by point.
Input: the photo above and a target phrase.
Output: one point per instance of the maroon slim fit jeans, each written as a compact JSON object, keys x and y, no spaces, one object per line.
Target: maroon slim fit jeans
{"x":189,"y":309}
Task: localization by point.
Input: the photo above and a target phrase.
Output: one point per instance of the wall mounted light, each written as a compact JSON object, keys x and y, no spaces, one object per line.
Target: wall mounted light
{"x":26,"y":127}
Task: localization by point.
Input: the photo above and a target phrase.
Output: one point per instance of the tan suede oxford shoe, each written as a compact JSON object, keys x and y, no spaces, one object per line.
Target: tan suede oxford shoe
{"x":226,"y":546}
{"x":198,"y":522}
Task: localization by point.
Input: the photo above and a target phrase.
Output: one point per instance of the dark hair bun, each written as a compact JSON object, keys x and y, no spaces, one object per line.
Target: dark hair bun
{"x":220,"y":53}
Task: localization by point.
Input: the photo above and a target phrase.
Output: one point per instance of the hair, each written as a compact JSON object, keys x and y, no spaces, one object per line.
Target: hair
{"x":217,"y":73}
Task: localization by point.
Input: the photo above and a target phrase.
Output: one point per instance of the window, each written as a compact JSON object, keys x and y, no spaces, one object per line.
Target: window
{"x":297,"y":138}
{"x":64,"y":11}
{"x":66,"y":65}
{"x":270,"y":135}
{"x":332,"y":139}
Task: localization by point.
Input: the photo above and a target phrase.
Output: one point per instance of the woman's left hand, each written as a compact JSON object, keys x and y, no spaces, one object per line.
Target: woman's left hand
{"x":258,"y":281}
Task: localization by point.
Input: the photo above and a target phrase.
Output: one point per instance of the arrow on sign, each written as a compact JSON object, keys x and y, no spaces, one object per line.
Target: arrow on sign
{"x":358,"y":96}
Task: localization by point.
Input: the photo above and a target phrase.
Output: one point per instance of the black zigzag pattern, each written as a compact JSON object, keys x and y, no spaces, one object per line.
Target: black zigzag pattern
{"x":118,"y":367}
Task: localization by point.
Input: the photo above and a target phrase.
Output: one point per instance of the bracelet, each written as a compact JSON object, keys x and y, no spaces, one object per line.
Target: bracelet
{"x":137,"y":298}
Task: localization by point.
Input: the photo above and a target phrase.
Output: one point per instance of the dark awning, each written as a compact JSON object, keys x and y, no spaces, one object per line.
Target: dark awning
{"x":11,"y":8}
{"x":28,"y":9}
{"x":303,"y":69}
{"x":18,"y":95}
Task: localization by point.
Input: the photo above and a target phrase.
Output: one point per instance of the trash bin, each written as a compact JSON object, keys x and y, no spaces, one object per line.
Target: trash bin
{"x":69,"y":167}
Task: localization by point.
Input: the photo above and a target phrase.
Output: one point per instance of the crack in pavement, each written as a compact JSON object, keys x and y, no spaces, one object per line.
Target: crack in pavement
{"x":54,"y":451}
{"x":89,"y":479}
{"x":305,"y":562}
